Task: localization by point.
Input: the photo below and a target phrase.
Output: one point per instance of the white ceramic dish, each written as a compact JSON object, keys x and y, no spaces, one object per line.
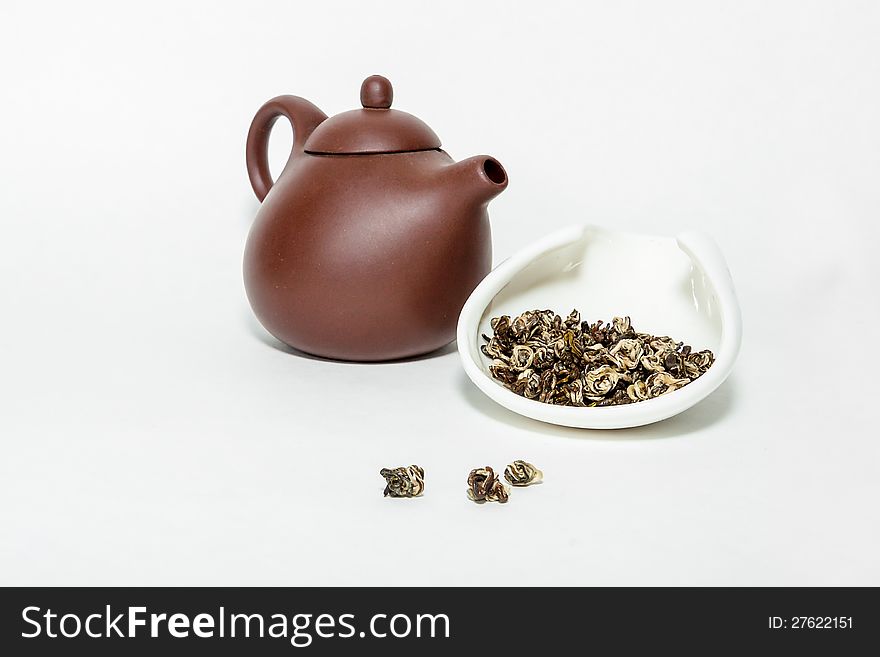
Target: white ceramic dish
{"x":679,"y":287}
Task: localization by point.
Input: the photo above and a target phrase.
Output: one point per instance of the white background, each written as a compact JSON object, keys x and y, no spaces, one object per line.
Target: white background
{"x":152,"y":433}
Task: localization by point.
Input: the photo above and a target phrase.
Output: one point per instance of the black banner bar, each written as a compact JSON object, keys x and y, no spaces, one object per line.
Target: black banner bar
{"x":436,"y":621}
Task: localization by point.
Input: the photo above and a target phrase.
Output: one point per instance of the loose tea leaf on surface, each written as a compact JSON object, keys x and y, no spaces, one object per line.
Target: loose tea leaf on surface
{"x":541,"y":356}
{"x":522,"y":473}
{"x":484,"y":486}
{"x":403,"y":481}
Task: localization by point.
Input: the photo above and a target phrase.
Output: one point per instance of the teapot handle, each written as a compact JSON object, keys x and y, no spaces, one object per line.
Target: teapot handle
{"x":303,"y":116}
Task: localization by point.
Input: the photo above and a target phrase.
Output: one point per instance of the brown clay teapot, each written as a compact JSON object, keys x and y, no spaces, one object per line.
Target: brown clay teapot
{"x":372,"y":238}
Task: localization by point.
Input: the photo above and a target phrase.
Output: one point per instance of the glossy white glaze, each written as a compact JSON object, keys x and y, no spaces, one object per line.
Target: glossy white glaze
{"x":679,"y":287}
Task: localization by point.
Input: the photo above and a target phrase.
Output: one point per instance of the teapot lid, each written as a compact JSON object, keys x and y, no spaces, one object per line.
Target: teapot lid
{"x":374,"y":129}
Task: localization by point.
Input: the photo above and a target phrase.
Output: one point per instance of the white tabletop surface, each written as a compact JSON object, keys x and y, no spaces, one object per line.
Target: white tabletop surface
{"x":152,"y":433}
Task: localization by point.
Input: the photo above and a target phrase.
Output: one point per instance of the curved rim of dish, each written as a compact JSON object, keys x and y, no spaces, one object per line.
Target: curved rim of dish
{"x":704,"y":254}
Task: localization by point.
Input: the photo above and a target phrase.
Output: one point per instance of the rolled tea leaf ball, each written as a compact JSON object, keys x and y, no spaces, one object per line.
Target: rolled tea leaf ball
{"x":403,"y":481}
{"x":522,"y":473}
{"x":484,"y":486}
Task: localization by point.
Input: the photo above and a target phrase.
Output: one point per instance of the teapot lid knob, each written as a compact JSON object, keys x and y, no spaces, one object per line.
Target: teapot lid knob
{"x":376,"y":93}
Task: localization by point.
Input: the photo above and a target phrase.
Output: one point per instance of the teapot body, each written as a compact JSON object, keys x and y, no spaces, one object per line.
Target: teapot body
{"x":366,"y":257}
{"x":371,"y":240}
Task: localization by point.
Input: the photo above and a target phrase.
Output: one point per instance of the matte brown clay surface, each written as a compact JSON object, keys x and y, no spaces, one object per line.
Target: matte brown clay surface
{"x":372,"y":238}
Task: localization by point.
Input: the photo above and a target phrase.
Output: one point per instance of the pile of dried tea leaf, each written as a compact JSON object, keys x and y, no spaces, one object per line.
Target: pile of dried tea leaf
{"x":541,"y":356}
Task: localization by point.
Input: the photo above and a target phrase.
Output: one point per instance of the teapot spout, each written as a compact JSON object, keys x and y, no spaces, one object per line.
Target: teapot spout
{"x":481,"y":177}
